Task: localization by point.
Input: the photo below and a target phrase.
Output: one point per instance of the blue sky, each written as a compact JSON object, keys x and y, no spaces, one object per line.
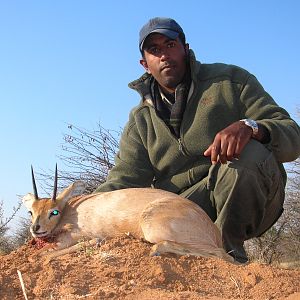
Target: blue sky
{"x":70,"y":62}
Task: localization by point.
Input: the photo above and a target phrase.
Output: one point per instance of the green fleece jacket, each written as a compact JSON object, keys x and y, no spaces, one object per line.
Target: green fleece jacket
{"x":220,"y":94}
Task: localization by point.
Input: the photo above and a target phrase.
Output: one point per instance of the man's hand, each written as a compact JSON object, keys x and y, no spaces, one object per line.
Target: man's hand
{"x":229,"y":143}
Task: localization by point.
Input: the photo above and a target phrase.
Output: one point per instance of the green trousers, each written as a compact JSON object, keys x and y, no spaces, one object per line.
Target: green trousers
{"x":243,"y":197}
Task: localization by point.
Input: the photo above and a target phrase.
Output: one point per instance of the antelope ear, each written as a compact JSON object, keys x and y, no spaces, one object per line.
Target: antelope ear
{"x":28,"y":200}
{"x":75,"y":189}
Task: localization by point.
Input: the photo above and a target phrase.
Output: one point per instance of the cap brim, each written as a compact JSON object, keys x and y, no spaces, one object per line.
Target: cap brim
{"x":167,"y":32}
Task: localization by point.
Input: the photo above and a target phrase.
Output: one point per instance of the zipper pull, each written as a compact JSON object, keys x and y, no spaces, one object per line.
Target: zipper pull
{"x":180,"y":145}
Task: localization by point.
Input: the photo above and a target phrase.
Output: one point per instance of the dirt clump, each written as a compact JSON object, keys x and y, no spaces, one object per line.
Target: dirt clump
{"x":121,"y":268}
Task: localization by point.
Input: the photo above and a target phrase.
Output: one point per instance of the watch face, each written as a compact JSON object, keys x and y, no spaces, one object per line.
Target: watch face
{"x":252,"y":124}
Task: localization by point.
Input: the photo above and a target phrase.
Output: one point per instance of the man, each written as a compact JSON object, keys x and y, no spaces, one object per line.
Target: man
{"x":208,"y":132}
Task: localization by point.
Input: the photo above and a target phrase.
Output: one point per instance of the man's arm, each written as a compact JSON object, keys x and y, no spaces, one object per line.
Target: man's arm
{"x":275,"y":128}
{"x":132,"y":165}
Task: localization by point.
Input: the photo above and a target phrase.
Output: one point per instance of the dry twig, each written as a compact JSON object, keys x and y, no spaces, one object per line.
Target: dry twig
{"x":22,"y":284}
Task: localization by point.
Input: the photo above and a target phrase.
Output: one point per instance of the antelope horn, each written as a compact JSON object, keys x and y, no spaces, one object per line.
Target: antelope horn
{"x":36,"y":196}
{"x":55,"y":184}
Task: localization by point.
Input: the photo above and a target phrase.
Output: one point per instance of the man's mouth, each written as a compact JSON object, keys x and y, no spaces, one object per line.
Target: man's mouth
{"x":167,"y":67}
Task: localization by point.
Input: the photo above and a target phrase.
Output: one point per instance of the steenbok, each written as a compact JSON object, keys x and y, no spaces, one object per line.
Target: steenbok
{"x":172,"y":223}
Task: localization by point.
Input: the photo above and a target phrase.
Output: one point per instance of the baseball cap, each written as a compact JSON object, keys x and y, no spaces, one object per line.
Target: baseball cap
{"x":165,"y":26}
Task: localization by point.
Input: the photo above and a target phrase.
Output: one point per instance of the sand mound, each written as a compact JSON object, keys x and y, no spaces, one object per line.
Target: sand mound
{"x":122,"y":269}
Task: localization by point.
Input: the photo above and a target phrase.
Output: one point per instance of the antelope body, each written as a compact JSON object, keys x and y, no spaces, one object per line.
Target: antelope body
{"x":172,"y":223}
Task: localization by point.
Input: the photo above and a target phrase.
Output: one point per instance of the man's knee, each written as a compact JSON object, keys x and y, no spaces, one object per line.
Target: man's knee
{"x":259,"y":162}
{"x":255,"y":161}
{"x":254,"y":152}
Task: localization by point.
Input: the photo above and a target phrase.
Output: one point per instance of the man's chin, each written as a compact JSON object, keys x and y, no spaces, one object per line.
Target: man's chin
{"x":171,"y":84}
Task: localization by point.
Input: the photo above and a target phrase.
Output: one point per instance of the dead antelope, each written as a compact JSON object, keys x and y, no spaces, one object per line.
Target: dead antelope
{"x":173,"y":224}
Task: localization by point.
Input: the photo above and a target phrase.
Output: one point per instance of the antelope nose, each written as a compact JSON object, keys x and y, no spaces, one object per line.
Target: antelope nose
{"x":36,"y":227}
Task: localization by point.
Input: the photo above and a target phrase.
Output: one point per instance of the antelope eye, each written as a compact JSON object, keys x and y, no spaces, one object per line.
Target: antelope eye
{"x":54,"y":212}
{"x":30,"y":213}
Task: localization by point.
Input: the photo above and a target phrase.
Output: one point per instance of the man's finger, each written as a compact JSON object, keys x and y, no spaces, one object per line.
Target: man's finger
{"x":223,"y":152}
{"x":215,"y":151}
{"x":231,"y":150}
{"x":207,"y":152}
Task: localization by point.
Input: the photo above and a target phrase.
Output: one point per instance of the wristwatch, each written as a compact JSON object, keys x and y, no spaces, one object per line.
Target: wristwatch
{"x":252,"y":124}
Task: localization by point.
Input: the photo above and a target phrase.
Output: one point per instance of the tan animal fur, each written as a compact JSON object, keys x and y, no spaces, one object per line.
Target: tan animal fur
{"x":173,"y":224}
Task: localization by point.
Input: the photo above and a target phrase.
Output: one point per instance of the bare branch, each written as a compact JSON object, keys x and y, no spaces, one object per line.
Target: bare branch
{"x":87,"y":156}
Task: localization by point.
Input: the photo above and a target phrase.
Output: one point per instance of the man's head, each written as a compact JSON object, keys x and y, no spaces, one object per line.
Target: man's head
{"x":162,"y":44}
{"x":165,"y":26}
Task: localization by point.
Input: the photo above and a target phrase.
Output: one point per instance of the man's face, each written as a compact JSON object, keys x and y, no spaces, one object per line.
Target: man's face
{"x":165,"y":59}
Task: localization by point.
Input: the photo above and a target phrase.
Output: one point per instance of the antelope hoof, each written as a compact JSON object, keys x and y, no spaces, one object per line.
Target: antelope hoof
{"x":154,"y":253}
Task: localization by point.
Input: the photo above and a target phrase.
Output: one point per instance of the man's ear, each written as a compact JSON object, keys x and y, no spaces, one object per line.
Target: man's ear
{"x":145,"y":65}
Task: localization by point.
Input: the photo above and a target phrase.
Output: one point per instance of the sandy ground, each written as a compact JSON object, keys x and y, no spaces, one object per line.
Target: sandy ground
{"x":121,"y":268}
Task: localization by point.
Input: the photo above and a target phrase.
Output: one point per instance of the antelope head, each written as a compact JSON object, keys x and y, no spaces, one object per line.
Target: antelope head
{"x":47,"y":212}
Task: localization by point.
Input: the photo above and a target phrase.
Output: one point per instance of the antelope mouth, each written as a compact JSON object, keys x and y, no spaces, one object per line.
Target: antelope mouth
{"x":40,"y":234}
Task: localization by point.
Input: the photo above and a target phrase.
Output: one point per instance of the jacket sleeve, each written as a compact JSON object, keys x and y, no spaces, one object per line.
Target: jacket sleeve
{"x":284,"y":132}
{"x":132,"y":165}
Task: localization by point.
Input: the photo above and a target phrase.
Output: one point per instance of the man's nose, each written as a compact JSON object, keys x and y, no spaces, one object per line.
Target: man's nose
{"x":164,"y":55}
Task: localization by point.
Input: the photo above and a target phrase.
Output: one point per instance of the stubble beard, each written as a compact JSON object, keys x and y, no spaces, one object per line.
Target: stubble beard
{"x":171,"y":82}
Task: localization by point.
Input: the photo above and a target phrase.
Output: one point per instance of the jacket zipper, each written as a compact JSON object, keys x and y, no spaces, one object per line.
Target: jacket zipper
{"x":179,"y":140}
{"x":181,"y":147}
